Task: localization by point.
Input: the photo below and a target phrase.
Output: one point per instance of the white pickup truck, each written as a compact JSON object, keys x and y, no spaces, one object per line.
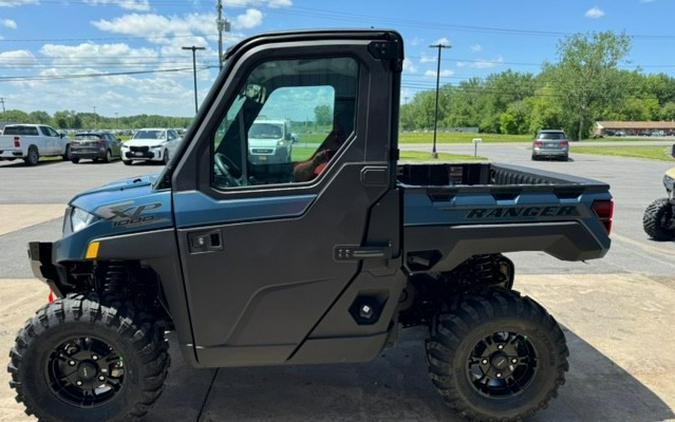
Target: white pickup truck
{"x":30,"y":142}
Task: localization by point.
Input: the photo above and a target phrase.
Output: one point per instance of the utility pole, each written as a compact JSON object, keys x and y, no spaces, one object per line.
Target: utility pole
{"x":2,"y":101}
{"x":95,"y":118}
{"x":223,"y":26}
{"x":194,"y":70}
{"x":439,"y":46}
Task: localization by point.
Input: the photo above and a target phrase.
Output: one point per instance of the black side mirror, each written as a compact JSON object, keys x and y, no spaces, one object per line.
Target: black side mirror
{"x":61,"y":135}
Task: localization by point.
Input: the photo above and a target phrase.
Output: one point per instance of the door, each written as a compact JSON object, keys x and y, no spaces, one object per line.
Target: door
{"x":47,"y":142}
{"x":270,"y":240}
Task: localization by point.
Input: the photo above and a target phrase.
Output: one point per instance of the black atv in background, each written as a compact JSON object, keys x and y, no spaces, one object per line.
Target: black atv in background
{"x":659,"y":217}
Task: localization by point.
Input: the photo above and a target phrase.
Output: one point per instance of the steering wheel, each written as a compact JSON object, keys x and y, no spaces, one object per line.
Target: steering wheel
{"x":226,"y":168}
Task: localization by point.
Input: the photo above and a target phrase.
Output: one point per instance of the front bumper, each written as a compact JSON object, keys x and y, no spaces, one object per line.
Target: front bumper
{"x":40,"y":256}
{"x":143,"y":155}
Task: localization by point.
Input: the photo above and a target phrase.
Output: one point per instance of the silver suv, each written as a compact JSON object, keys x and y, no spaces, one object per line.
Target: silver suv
{"x":551,"y":144}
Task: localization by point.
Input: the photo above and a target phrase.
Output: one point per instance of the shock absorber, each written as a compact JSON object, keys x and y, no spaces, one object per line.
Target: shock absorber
{"x":115,"y":281}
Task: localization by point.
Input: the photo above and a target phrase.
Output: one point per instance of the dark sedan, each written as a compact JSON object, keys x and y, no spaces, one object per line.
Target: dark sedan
{"x":97,"y":146}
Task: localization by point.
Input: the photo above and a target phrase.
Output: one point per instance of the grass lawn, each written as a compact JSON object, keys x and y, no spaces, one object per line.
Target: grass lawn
{"x":442,"y":156}
{"x":649,"y":152}
{"x":459,"y":137}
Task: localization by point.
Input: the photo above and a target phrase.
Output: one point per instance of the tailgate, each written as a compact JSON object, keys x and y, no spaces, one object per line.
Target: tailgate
{"x":6,"y":142}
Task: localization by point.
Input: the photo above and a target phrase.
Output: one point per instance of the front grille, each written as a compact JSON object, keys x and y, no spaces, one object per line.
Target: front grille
{"x":139,"y":149}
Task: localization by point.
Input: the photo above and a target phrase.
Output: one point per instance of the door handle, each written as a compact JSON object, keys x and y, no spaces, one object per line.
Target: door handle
{"x":356,"y":253}
{"x":200,"y":242}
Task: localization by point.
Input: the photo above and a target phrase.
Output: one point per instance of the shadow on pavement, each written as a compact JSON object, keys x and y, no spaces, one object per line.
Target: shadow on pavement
{"x":393,"y":387}
{"x":20,"y":164}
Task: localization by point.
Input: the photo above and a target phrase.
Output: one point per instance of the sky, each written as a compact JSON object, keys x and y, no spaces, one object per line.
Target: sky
{"x":47,"y":46}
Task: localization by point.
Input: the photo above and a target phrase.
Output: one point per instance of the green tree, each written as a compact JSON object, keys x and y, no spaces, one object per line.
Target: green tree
{"x":323,"y":115}
{"x":40,"y":117}
{"x":586,"y":77}
{"x":668,"y":111}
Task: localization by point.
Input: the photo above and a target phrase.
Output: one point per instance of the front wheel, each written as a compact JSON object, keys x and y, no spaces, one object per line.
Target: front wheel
{"x":166,"y":158}
{"x":498,"y":356}
{"x":66,"y":154}
{"x":127,"y":162}
{"x":108,"y":157}
{"x":82,"y":359}
{"x":658,"y":220}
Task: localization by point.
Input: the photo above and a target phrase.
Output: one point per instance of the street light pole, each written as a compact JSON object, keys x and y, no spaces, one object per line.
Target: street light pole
{"x":223,"y":26}
{"x":440,"y":46}
{"x":194,"y":70}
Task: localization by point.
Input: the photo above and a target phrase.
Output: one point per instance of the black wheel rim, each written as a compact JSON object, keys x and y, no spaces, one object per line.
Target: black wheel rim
{"x":85,"y":372}
{"x":666,"y":220}
{"x":502,"y":364}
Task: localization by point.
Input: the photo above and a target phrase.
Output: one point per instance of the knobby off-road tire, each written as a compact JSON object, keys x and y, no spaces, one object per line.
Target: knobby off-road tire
{"x":128,"y":345}
{"x":656,"y":220}
{"x":492,"y":341}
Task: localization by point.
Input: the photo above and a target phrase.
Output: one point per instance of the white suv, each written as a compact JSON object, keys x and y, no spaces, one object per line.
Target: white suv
{"x":150,"y":145}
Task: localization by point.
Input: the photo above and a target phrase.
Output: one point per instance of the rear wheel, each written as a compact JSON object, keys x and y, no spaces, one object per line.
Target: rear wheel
{"x":498,"y":356}
{"x":82,"y":359}
{"x":33,"y":156}
{"x":658,"y":220}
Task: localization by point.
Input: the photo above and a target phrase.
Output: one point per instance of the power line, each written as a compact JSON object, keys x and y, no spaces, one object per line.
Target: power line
{"x":93,"y":75}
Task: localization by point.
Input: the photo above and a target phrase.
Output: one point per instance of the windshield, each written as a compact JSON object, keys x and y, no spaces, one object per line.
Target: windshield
{"x":551,"y":135}
{"x":265,"y":131}
{"x":150,"y":134}
{"x":21,"y":130}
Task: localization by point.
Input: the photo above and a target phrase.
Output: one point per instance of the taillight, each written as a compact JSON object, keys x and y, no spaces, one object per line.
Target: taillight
{"x":605,"y":211}
{"x":17,"y":142}
{"x":52,"y":297}
{"x":564,"y":144}
{"x":538,"y":144}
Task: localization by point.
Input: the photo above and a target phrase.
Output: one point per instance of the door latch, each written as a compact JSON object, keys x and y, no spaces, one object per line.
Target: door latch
{"x":200,"y":242}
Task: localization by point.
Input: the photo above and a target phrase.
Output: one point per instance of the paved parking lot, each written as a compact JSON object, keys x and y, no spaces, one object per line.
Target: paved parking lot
{"x":617,"y":312}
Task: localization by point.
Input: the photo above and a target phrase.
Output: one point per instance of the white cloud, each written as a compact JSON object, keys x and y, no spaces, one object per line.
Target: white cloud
{"x":443,"y":41}
{"x":476,"y":48}
{"x":137,"y":5}
{"x":8,"y":23}
{"x":409,"y":67}
{"x":246,"y":3}
{"x":595,"y":13}
{"x":482,"y":63}
{"x":90,"y":53}
{"x":427,"y":59}
{"x":161,"y":29}
{"x":250,"y":19}
{"x":13,"y":3}
{"x":17,"y":58}
{"x":444,"y":73}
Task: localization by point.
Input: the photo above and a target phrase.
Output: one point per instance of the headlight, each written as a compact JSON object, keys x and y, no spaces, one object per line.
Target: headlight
{"x":80,"y":219}
{"x":156,"y":146}
{"x":281,"y":143}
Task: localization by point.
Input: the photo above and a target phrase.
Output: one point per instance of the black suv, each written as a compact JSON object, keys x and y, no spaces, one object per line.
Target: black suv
{"x":97,"y":146}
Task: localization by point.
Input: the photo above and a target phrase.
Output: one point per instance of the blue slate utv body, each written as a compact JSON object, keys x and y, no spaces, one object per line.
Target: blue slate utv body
{"x":322,"y":259}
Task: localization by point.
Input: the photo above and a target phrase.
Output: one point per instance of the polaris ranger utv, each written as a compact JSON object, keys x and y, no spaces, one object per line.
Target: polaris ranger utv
{"x":322,"y":258}
{"x":658,"y":220}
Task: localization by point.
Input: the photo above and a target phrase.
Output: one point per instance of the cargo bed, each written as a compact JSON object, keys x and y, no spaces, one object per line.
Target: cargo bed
{"x":455,"y":211}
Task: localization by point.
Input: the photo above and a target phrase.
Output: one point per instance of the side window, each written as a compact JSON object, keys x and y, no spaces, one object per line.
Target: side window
{"x":45,"y":131}
{"x":289,"y":120}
